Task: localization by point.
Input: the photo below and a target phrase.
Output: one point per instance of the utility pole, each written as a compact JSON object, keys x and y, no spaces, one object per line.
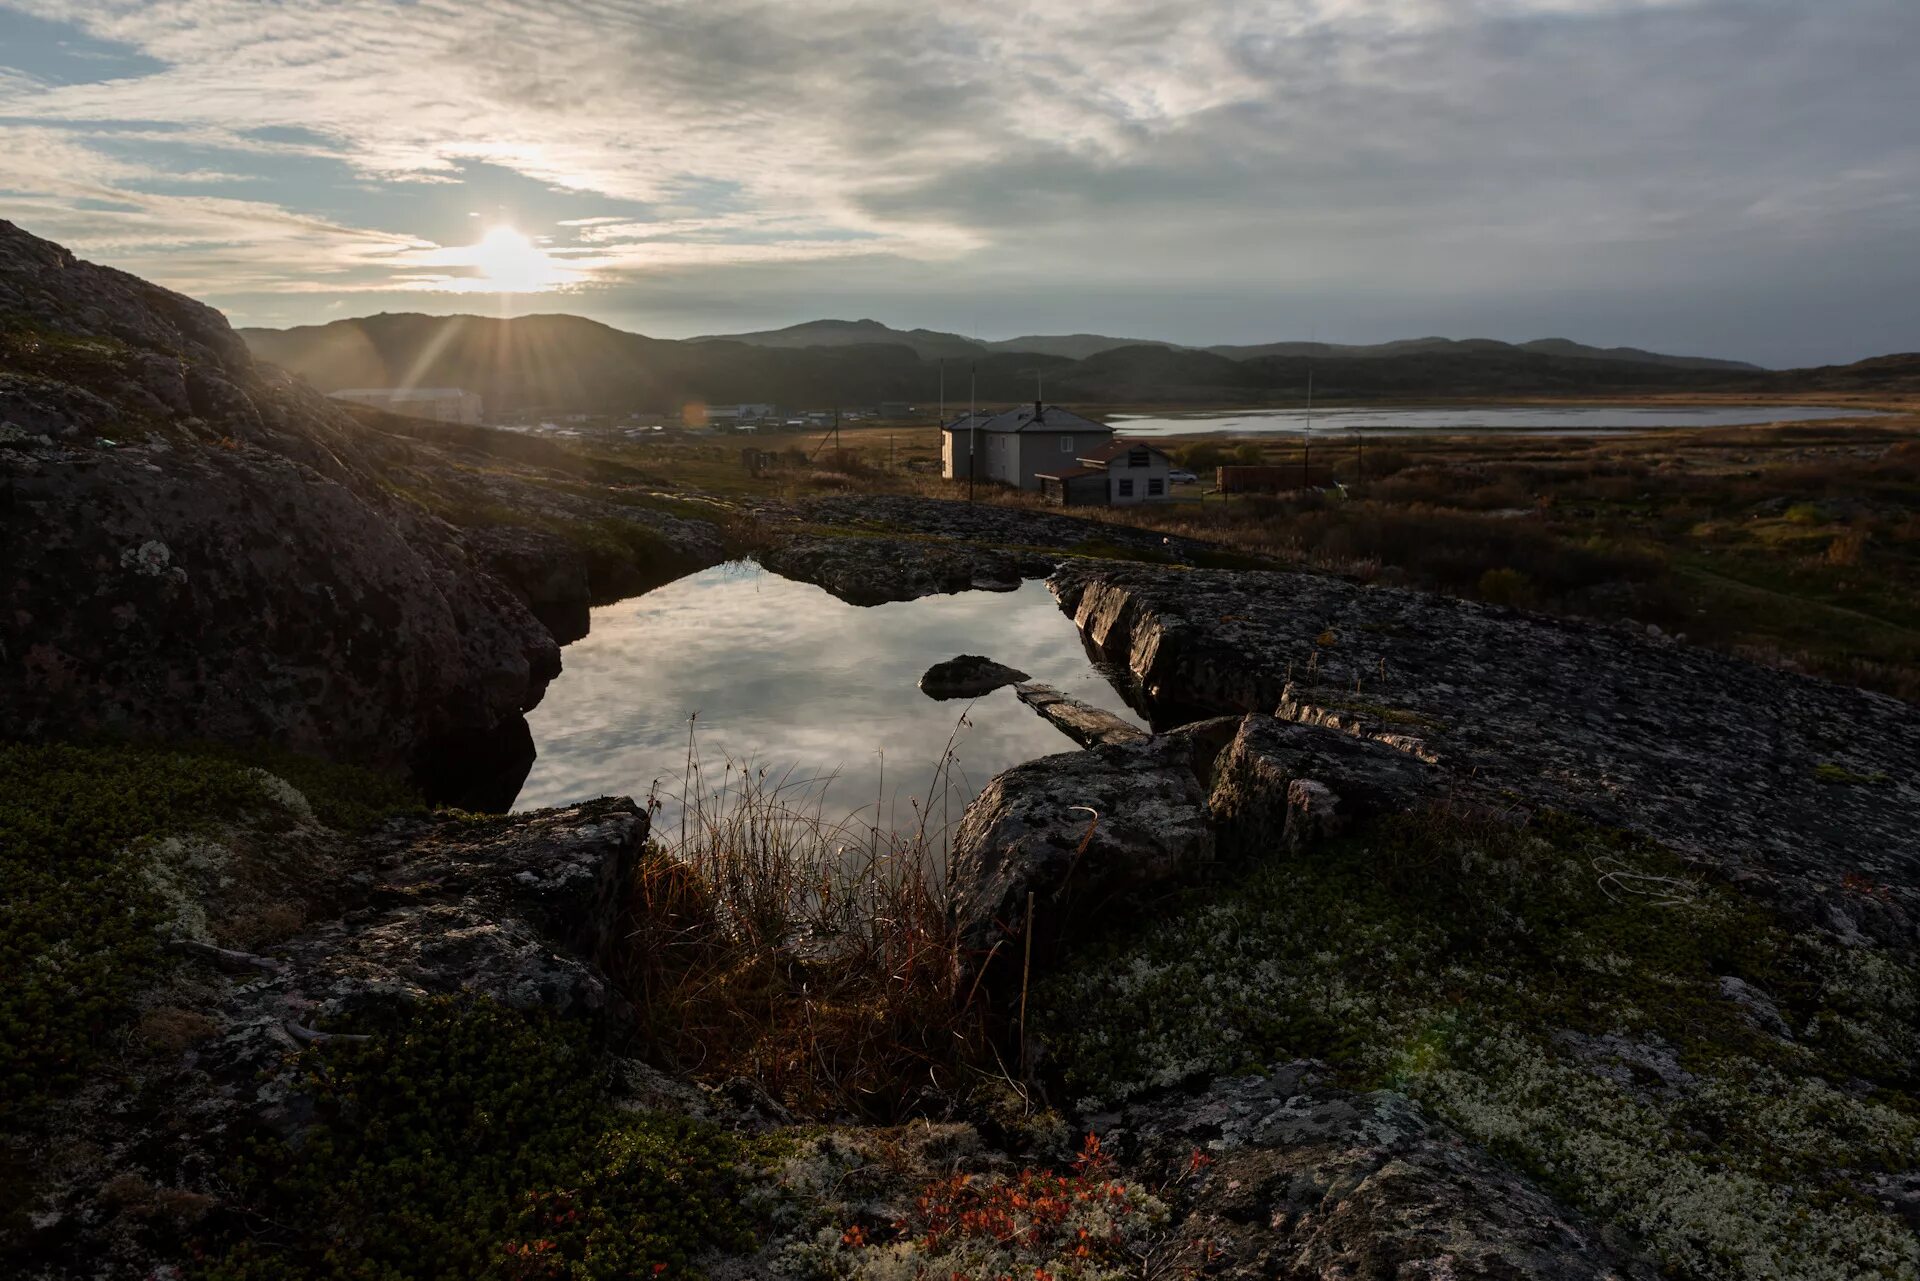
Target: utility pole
{"x":1306,"y":444}
{"x":973,"y":425}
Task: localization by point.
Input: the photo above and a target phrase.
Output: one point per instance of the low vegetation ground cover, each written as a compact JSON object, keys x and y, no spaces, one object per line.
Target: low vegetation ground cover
{"x":1795,"y":545}
{"x":1658,"y":1049}
{"x":462,"y":1139}
{"x":83,"y":896}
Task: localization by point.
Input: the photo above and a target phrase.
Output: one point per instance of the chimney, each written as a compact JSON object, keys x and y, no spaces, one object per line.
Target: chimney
{"x":1038,"y":409}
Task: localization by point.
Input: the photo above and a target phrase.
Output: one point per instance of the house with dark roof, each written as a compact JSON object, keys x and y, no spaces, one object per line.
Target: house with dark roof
{"x":1016,"y":446}
{"x":1114,"y":474}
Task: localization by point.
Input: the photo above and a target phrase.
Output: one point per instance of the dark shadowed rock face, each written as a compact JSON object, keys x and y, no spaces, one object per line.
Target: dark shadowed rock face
{"x":1808,"y":788}
{"x":874,"y":571}
{"x":195,"y":547}
{"x":1309,"y":1180}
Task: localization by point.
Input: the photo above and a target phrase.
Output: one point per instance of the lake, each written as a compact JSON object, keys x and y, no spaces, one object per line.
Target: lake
{"x":789,"y":677}
{"x":1540,"y":420}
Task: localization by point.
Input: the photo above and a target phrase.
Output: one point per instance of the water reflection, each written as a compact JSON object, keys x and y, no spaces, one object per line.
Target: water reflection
{"x":1542,"y":420}
{"x":788,"y":676}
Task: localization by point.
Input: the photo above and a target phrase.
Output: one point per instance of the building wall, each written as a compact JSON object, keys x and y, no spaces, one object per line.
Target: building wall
{"x":1040,"y":451}
{"x":1142,"y":474}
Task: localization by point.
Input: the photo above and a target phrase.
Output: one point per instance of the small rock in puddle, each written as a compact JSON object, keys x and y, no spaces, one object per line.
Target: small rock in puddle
{"x":967,"y":676}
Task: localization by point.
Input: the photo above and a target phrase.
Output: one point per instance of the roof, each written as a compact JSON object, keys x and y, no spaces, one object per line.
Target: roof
{"x":1113,"y":449}
{"x":1029,"y":418}
{"x":1071,"y":473}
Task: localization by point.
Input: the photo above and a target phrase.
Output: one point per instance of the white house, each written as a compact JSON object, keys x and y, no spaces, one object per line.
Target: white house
{"x":1015,"y":447}
{"x":442,"y":404}
{"x":738,"y":413}
{"x":1116,"y":473}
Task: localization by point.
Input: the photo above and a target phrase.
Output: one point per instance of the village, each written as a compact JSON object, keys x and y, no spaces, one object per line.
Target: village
{"x":1048,"y":453}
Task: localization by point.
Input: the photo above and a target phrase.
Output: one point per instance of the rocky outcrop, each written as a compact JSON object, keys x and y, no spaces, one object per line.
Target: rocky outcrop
{"x":1080,"y":721}
{"x":967,"y":676}
{"x":543,"y":570}
{"x":199,"y":548}
{"x":896,"y":547}
{"x":1281,"y":785}
{"x":874,"y":571}
{"x":1078,"y":833}
{"x":1803,"y":787}
{"x":1309,"y":1180}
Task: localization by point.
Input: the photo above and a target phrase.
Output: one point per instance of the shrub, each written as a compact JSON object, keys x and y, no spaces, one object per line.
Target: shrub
{"x":1506,"y":587}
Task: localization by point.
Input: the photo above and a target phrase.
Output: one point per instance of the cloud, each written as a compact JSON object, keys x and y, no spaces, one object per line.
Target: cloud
{"x":1479,"y":151}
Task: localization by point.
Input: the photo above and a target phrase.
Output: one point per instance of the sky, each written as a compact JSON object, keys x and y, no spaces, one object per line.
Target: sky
{"x":1736,"y":178}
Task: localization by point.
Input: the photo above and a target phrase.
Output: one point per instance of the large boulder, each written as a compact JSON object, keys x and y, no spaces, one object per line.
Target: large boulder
{"x":199,"y":548}
{"x":1077,"y":833}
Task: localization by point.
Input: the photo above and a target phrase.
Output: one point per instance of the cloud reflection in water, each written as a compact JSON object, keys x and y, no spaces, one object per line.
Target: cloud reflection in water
{"x":790,"y":677}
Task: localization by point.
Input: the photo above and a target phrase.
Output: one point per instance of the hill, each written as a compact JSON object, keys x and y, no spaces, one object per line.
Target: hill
{"x":1560,"y":347}
{"x":562,"y":363}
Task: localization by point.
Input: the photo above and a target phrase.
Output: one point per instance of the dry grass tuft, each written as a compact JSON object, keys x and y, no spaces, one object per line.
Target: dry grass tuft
{"x":816,"y":958}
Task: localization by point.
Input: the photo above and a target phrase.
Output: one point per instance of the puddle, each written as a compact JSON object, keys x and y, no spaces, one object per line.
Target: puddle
{"x":791,"y":678}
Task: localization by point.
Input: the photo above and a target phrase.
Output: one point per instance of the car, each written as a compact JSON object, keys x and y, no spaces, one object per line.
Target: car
{"x":1182,"y":477}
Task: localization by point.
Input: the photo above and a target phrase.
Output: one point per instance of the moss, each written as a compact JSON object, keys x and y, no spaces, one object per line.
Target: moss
{"x":77,"y":920}
{"x":463,"y":1139}
{"x":76,"y":824}
{"x":1557,"y":992}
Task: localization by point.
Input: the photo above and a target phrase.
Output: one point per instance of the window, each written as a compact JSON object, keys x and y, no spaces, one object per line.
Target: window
{"x":1138,"y":458}
{"x":1156,"y":487}
{"x":1066,"y":444}
{"x":1126,"y":488}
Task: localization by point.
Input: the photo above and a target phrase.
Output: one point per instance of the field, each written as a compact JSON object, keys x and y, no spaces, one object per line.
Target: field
{"x":1797,"y":546}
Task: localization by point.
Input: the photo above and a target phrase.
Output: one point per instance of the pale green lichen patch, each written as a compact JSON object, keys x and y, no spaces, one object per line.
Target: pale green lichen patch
{"x":1659,"y":1050}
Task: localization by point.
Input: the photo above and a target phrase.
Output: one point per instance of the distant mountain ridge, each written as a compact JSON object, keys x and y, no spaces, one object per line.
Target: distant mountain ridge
{"x":936,"y":344}
{"x":559,"y":363}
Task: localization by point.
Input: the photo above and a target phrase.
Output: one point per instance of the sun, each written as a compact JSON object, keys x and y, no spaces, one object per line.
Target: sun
{"x":510,"y":263}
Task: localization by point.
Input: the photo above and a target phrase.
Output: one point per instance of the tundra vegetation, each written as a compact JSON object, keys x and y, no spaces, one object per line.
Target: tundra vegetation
{"x":267,"y":1017}
{"x":1796,"y":545}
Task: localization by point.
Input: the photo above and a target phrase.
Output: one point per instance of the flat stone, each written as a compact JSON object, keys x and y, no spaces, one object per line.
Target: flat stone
{"x":1082,"y":722}
{"x":967,"y":676}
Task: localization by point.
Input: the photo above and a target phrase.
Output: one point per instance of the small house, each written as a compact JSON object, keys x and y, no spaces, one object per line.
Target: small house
{"x":1114,"y":474}
{"x":1016,"y":446}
